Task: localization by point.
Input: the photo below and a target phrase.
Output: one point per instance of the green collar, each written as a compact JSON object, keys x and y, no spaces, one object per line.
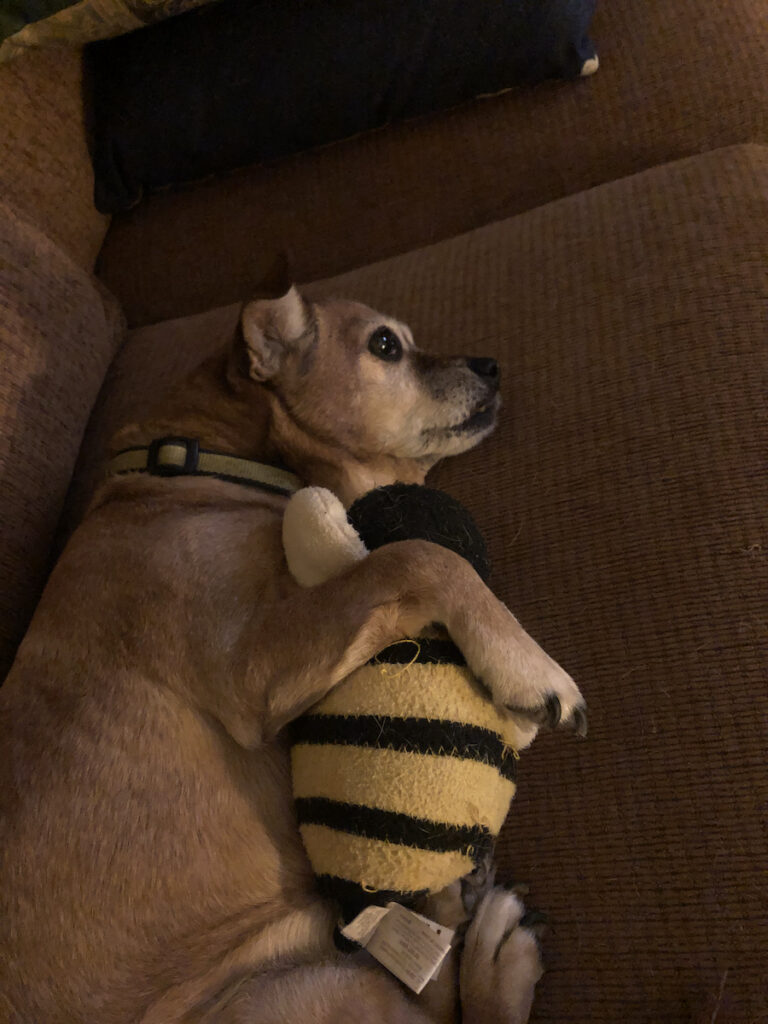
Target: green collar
{"x":183,"y":456}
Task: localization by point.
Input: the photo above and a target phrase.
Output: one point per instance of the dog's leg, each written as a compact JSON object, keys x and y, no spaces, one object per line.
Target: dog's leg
{"x":329,"y":993}
{"x":353,"y":991}
{"x":440,"y":998}
{"x":294,"y":650}
{"x":454,"y":907}
{"x":501,"y":963}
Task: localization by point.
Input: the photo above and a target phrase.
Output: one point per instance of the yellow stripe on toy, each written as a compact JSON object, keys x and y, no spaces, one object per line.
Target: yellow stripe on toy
{"x":457,"y":791}
{"x":420,"y":690}
{"x":377,"y":865}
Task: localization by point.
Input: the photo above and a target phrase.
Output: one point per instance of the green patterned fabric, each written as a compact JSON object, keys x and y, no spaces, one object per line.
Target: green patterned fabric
{"x":25,"y":24}
{"x":16,"y":14}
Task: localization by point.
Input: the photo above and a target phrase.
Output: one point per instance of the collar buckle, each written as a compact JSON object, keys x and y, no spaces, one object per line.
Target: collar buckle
{"x":160,"y":464}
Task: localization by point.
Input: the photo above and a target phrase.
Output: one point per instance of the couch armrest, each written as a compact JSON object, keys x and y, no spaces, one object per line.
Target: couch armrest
{"x":45,"y":169}
{"x":59,"y":331}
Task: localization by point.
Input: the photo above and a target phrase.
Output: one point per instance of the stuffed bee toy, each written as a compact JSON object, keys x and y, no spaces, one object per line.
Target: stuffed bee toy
{"x":404,"y":773}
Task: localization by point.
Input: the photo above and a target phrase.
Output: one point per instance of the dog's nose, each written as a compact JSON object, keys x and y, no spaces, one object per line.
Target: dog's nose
{"x":488,"y":369}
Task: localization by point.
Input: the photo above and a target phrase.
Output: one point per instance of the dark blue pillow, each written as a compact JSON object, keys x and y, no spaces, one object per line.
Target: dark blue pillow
{"x":243,"y":81}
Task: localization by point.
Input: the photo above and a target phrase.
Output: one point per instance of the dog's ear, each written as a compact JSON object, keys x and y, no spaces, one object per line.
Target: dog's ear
{"x":278,"y":279}
{"x":271,"y":328}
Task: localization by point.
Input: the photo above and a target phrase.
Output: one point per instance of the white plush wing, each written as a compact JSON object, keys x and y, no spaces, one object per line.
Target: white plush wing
{"x":318,"y":539}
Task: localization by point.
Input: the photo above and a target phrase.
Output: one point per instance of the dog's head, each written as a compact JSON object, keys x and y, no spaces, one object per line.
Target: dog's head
{"x":349,"y":377}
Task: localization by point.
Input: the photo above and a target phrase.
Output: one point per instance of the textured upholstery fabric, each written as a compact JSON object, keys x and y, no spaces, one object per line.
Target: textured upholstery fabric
{"x":623,"y":498}
{"x":58,"y":333}
{"x":675,"y":79}
{"x":45,"y":170}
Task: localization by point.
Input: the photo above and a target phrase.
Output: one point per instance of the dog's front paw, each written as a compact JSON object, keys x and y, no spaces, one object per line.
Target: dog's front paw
{"x":522,"y":678}
{"x":455,"y":905}
{"x":318,"y":539}
{"x":501,"y":961}
{"x":477,"y":884}
{"x":557,"y":701}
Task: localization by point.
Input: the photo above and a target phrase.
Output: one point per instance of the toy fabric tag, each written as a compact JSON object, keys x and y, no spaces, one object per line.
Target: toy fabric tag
{"x":364,"y":925}
{"x":410,"y":946}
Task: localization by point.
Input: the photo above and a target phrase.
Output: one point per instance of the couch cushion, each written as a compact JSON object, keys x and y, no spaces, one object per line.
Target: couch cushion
{"x":623,"y":499}
{"x":676,"y":79}
{"x":45,"y":169}
{"x":58,"y":334}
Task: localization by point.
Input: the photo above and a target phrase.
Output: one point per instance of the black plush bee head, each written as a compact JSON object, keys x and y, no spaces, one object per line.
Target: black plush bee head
{"x":412,"y":512}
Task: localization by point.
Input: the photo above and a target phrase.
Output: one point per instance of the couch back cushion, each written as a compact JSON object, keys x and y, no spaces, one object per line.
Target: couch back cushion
{"x":58,"y":333}
{"x":660,"y":95}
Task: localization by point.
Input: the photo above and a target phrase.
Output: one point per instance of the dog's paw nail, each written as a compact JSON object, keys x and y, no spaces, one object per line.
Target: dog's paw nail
{"x":535,"y":921}
{"x":552,"y":711}
{"x":550,"y":715}
{"x":578,"y":721}
{"x":479,"y":881}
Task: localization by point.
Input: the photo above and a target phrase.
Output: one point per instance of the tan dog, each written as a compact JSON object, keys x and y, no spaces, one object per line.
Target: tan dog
{"x":150,"y":865}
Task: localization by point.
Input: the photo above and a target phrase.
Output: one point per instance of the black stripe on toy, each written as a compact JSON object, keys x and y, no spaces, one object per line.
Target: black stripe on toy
{"x":393,"y":827}
{"x":430,"y":736}
{"x":433,"y":651}
{"x":354,"y":898}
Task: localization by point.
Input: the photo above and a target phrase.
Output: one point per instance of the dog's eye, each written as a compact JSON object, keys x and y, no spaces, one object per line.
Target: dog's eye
{"x":385,"y":344}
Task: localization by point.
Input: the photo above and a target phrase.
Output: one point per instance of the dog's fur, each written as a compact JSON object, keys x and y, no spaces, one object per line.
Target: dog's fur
{"x":151,"y":869}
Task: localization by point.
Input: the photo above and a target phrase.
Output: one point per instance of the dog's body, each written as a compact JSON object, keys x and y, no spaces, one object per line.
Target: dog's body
{"x":151,"y":869}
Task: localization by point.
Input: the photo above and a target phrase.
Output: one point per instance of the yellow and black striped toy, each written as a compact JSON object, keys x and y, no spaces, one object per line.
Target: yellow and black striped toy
{"x":403,"y":775}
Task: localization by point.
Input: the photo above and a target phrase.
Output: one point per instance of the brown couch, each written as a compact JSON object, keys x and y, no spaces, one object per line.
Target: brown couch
{"x":607,"y":241}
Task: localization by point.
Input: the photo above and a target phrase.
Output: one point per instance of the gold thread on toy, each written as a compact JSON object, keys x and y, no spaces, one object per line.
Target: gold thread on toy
{"x":394,"y":675}
{"x":368,"y":888}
